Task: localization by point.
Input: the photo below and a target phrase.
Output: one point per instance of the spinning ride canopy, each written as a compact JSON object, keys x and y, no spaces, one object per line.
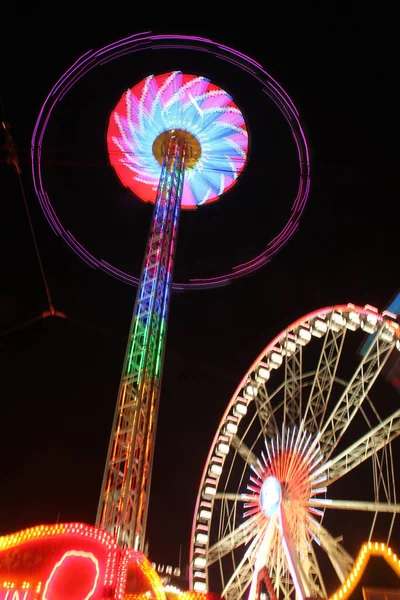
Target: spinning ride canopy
{"x":192,"y":108}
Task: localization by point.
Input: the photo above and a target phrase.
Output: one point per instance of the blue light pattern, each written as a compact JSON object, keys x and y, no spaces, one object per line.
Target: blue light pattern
{"x":177,"y":101}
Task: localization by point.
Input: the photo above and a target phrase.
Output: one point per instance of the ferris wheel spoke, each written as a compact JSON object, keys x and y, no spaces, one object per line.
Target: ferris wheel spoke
{"x":248,"y":455}
{"x":324,"y":378}
{"x":261,"y":558}
{"x":233,"y":497}
{"x":295,"y":566}
{"x":265,"y":413}
{"x":281,"y":583}
{"x":232,"y":540}
{"x":293,"y":384}
{"x":341,"y":560}
{"x":355,"y":393}
{"x":384,"y":475}
{"x":241,"y":577}
{"x":286,"y":587}
{"x":358,"y":505}
{"x":312,"y":569}
{"x":364,"y":448}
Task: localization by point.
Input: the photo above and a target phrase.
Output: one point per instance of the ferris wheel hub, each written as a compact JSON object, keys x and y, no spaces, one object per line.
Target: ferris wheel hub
{"x":270,"y":496}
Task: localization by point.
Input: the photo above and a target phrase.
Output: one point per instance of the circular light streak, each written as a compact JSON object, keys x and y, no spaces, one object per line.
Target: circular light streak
{"x":270,"y":496}
{"x":146,"y":41}
{"x":186,"y":106}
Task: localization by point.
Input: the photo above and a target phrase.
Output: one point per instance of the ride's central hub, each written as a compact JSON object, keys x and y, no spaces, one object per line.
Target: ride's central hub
{"x":204,"y":119}
{"x":283,"y":483}
{"x":270,"y":496}
{"x":192,"y":144}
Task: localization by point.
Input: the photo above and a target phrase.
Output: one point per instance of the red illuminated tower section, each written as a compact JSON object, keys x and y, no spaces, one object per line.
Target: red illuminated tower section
{"x":178,"y":141}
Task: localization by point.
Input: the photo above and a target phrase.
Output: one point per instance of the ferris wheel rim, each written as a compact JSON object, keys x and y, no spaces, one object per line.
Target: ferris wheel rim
{"x":144,"y":41}
{"x":293,"y":325}
{"x":386,"y":320}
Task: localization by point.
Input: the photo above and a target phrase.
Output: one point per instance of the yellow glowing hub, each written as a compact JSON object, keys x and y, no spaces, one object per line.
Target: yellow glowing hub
{"x":193,"y":147}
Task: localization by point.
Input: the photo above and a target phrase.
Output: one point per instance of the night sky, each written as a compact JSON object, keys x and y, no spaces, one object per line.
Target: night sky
{"x":59,"y":377}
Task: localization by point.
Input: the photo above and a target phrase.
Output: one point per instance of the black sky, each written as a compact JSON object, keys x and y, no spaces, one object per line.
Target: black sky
{"x":59,"y":378}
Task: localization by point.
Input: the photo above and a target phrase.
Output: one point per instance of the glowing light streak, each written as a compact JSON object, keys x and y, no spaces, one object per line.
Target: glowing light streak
{"x":195,"y":103}
{"x":292,"y":440}
{"x":142,"y":101}
{"x":293,"y":572}
{"x":179,"y":94}
{"x":320,"y":457}
{"x":222,"y":184}
{"x":160,"y":93}
{"x":316,"y":511}
{"x":317,"y":481}
{"x":270,"y":459}
{"x":124,"y":137}
{"x":313,"y":455}
{"x":319,"y":490}
{"x":261,"y":557}
{"x":236,"y":147}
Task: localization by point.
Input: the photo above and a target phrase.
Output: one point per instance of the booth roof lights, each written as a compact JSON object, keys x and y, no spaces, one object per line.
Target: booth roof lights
{"x":41,"y":531}
{"x":368,"y":549}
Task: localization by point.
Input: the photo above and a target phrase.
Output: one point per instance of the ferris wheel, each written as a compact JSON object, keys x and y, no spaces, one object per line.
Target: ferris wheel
{"x":304,"y":444}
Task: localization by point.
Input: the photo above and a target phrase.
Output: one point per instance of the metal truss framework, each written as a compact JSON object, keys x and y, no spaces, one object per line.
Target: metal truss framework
{"x":125,"y":491}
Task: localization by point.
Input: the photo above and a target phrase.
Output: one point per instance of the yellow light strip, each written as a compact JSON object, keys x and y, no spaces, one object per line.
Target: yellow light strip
{"x":192,"y":596}
{"x":42,"y":531}
{"x":368,"y":549}
{"x":15,"y":539}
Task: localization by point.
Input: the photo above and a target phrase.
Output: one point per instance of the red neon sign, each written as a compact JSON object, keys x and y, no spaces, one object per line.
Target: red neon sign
{"x":72,"y":561}
{"x":76,"y":576}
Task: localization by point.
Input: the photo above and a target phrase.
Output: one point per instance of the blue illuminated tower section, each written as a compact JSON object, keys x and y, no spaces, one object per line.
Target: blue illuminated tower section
{"x":178,"y":141}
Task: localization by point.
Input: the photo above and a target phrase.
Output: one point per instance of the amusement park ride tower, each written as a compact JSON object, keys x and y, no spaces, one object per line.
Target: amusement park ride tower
{"x":179,"y":141}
